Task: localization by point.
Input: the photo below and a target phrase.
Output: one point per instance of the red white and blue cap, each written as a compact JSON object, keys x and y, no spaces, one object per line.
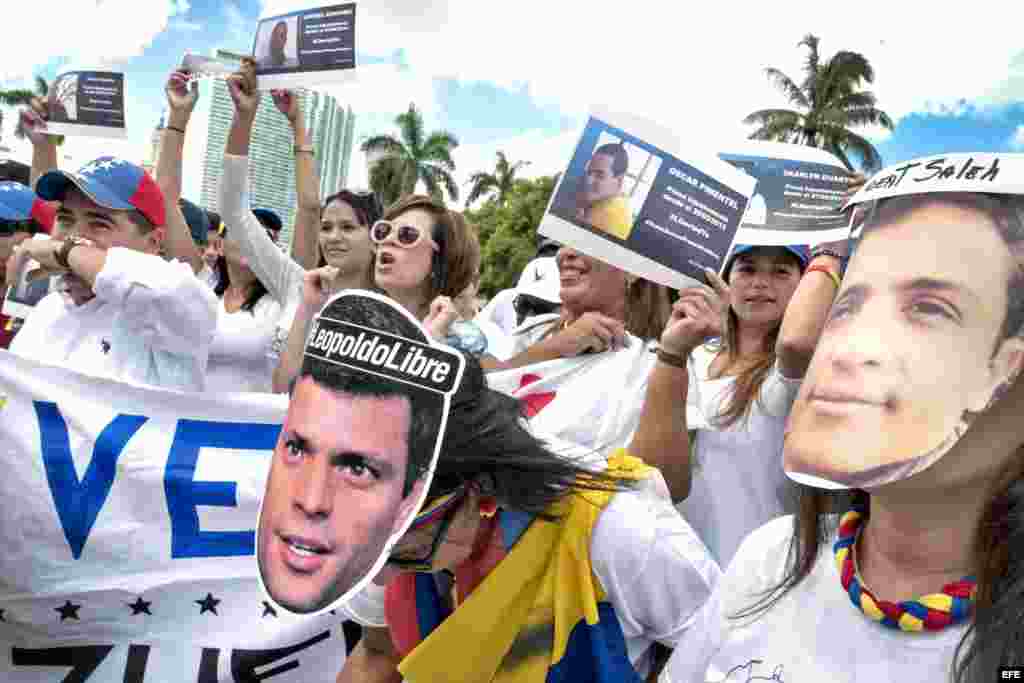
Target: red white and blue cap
{"x":19,"y":203}
{"x":111,"y":183}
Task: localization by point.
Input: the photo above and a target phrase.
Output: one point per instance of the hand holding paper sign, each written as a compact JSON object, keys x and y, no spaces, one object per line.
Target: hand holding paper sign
{"x":181,"y":98}
{"x":243,"y":90}
{"x":32,"y":123}
{"x":288,"y":104}
{"x":697,"y":316}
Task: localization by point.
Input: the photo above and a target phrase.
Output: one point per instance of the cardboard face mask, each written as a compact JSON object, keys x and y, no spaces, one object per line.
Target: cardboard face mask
{"x":925,"y":332}
{"x":357,"y":451}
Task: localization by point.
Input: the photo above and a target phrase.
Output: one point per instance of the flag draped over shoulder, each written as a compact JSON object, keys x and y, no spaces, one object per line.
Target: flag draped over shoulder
{"x":592,"y":400}
{"x":128,"y":536}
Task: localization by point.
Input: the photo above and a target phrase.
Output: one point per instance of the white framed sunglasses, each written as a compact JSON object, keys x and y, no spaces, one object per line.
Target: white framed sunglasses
{"x":406,"y":236}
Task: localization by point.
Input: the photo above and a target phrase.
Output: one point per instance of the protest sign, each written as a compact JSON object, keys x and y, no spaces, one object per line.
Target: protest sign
{"x":87,"y":103}
{"x":361,"y":439}
{"x":799,"y":195}
{"x":23,"y":295}
{"x":311,"y":47}
{"x":129,"y":537}
{"x":925,"y":333}
{"x":633,"y":197}
{"x":200,"y":66}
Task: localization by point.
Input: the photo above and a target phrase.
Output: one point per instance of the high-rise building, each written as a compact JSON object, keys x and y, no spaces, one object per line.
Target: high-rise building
{"x":271,"y":151}
{"x":149,"y":164}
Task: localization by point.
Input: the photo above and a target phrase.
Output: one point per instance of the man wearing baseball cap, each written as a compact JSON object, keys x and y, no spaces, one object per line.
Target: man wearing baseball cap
{"x":123,"y":312}
{"x":22,"y":215}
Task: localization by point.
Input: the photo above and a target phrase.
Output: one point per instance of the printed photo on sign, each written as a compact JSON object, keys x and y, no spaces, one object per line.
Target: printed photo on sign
{"x":312,"y":47}
{"x":799,"y":190}
{"x":925,"y":333}
{"x":356,"y":453}
{"x":87,"y":103}
{"x":628,"y":198}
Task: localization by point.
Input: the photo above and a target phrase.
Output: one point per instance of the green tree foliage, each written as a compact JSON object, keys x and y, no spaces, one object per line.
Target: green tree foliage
{"x":508,"y":232}
{"x":827,"y":104}
{"x":501,"y":181}
{"x":22,"y":97}
{"x":410,"y":157}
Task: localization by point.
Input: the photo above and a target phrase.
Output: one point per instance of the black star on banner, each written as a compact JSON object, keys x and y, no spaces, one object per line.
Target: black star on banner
{"x":68,"y":611}
{"x":140,"y":606}
{"x":208,"y":604}
{"x":268,"y":611}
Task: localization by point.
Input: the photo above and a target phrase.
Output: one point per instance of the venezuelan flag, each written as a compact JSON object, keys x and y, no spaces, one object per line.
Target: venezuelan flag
{"x":540,"y":616}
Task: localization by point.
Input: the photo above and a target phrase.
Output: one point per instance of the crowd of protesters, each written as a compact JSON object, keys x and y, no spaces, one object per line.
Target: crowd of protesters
{"x":723,"y":559}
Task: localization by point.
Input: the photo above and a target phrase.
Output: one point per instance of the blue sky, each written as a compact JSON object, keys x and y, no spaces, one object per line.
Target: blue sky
{"x":520,"y":78}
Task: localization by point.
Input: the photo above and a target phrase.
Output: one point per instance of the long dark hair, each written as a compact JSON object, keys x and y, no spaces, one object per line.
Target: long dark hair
{"x":747,"y":386}
{"x":487,"y":441}
{"x":367,"y":209}
{"x":995,"y":635}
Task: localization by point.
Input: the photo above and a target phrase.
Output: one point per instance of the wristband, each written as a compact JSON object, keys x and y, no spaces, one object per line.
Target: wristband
{"x":826,"y":252}
{"x":672,"y":359}
{"x":180,"y":130}
{"x":831,"y":276}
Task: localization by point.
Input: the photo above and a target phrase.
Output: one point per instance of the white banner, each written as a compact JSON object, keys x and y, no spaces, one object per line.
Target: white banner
{"x":128,"y":537}
{"x":993,"y":173}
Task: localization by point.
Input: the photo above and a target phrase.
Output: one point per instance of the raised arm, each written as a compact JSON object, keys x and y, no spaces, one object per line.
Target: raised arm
{"x":279,"y":274}
{"x":181,"y":100}
{"x":316,"y":287}
{"x":662,"y":437}
{"x":44,"y":147}
{"x":808,"y":310}
{"x":305,"y":245}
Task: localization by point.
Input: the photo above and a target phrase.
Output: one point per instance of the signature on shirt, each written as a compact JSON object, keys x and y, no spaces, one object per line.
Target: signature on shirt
{"x":736,"y":673}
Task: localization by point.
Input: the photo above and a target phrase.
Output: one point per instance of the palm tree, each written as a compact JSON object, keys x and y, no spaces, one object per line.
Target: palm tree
{"x":412,"y":157}
{"x":501,"y":181}
{"x":829,"y":102}
{"x":23,"y":96}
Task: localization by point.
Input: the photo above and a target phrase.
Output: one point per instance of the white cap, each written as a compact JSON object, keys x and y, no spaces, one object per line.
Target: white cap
{"x":540,"y":279}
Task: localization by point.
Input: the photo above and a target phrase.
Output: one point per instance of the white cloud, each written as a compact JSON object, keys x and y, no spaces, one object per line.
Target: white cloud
{"x":97,"y":34}
{"x":1017,"y":139}
{"x":698,"y":69}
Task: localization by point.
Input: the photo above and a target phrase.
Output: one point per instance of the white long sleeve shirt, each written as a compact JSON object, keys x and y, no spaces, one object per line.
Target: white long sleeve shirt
{"x":151,"y":322}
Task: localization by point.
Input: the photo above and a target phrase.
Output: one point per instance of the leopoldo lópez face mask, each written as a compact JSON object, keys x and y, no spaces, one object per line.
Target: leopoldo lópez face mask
{"x":356,"y":453}
{"x":925,"y":331}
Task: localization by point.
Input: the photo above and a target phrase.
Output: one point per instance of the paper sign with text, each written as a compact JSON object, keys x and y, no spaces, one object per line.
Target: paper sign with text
{"x":87,"y":103}
{"x":799,"y":195}
{"x":316,"y":46}
{"x":633,"y":197}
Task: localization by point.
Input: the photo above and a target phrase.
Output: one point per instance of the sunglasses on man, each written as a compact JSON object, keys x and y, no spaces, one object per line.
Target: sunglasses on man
{"x":406,"y":236}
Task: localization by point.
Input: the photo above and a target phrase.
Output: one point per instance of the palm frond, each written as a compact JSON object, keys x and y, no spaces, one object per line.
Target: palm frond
{"x":785,"y":84}
{"x":410,"y":125}
{"x":765,"y":117}
{"x":430,"y":181}
{"x":14,"y":98}
{"x":481,"y":184}
{"x":42,"y":87}
{"x":812,"y":67}
{"x":387,"y":144}
{"x":835,"y":149}
{"x":847,"y":140}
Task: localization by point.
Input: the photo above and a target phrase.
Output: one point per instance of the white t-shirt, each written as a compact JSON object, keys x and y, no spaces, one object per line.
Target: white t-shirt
{"x":656,"y":572}
{"x":244,"y":353}
{"x":812,"y":634}
{"x":500,"y":311}
{"x":738,"y":482}
{"x":151,"y":322}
